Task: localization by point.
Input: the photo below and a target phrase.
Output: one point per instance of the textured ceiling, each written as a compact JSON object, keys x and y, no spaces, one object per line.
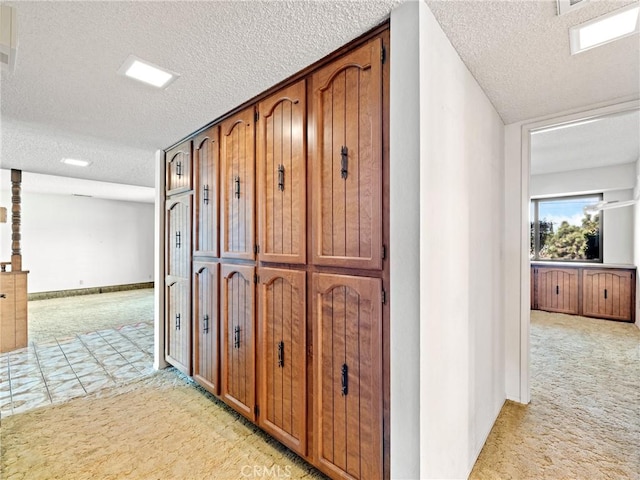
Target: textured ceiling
{"x":519,"y":53}
{"x":613,"y":140}
{"x":64,"y":97}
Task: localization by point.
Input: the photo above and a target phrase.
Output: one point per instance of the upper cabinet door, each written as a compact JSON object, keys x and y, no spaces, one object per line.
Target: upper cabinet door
{"x":178,"y":168}
{"x":281,"y":157}
{"x":178,"y":242}
{"x":346,"y":148}
{"x":238,"y":165}
{"x":205,"y":159}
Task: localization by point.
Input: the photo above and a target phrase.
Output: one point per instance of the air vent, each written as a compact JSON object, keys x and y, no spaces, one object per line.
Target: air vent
{"x":8,"y":39}
{"x":566,"y":6}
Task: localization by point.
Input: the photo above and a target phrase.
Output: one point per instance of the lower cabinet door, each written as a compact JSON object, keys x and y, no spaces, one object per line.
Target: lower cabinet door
{"x":608,"y":294}
{"x":348,"y":376}
{"x":178,"y":324}
{"x":558,"y":290}
{"x":282,"y":355}
{"x":237,"y":296}
{"x":205,"y":325}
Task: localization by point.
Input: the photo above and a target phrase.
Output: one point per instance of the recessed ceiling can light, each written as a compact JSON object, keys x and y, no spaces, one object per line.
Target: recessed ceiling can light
{"x":75,"y":163}
{"x":143,"y":71}
{"x":607,"y":28}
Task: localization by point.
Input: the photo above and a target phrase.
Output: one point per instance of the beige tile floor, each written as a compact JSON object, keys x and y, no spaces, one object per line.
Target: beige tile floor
{"x":52,"y":372}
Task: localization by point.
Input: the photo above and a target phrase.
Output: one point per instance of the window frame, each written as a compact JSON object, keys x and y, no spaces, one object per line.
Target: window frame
{"x":536,"y":228}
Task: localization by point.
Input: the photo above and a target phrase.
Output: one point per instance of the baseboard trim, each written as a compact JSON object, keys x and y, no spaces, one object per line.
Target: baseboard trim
{"x":88,"y":291}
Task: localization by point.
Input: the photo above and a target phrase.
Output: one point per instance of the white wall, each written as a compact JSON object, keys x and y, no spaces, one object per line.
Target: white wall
{"x":457,"y":138}
{"x":617,"y":183}
{"x":73,"y":242}
{"x":636,"y":239}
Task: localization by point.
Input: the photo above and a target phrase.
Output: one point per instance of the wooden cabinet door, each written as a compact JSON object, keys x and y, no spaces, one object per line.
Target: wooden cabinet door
{"x":237,"y":338}
{"x":348,"y":375}
{"x":205,"y":159}
{"x":237,"y":189}
{"x":178,"y":323}
{"x":282,"y":356}
{"x":558,"y":290}
{"x":282,"y":177}
{"x":205,"y":325}
{"x":178,"y":241}
{"x":608,"y":294}
{"x":178,"y":168}
{"x":13,"y":311}
{"x":346,"y":148}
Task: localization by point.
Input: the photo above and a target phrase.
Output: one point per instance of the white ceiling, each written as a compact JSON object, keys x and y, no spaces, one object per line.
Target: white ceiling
{"x":64,"y":97}
{"x":607,"y":141}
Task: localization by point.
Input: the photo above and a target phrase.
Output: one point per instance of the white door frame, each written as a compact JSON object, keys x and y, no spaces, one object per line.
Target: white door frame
{"x":525,"y":282}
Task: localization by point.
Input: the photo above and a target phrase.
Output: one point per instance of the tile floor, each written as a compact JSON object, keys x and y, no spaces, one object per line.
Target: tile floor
{"x":52,"y":372}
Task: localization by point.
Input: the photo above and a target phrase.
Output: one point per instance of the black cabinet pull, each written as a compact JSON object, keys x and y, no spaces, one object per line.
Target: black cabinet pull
{"x":344,"y":162}
{"x":345,"y":379}
{"x":236,"y":181}
{"x":281,"y":178}
{"x":605,"y":293}
{"x":280,"y":354}
{"x":236,"y":337}
{"x":179,"y":169}
{"x":205,"y":196}
{"x":178,"y":240}
{"x":178,"y":321}
{"x":557,"y":290}
{"x":3,"y":295}
{"x":206,"y":324}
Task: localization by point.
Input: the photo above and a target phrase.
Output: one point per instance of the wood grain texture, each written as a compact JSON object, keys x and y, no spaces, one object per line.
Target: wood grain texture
{"x":348,"y":325}
{"x":178,"y":323}
{"x":13,"y":311}
{"x":178,"y":168}
{"x":206,"y":326}
{"x":608,"y":294}
{"x":237,"y":138}
{"x":237,"y":339}
{"x":558,"y":290}
{"x":178,"y":240}
{"x":281,"y":144}
{"x":282,"y":384}
{"x":206,"y":154}
{"x":346,"y":115}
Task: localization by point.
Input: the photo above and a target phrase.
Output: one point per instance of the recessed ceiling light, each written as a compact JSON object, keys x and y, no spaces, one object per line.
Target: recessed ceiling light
{"x":75,"y":163}
{"x":607,"y":28}
{"x":143,"y":71}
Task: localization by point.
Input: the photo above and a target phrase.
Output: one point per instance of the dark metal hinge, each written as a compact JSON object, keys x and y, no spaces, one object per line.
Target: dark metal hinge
{"x":384,"y":252}
{"x":383,"y":54}
{"x":256,"y":116}
{"x":384,"y":297}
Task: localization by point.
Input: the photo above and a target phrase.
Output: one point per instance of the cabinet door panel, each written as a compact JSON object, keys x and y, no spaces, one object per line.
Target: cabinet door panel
{"x":347,"y":160}
{"x":178,"y":324}
{"x":205,"y":158}
{"x":348,"y":375}
{"x":178,"y":242}
{"x":558,"y":290}
{"x":238,"y":165}
{"x":178,"y":168}
{"x":282,"y":354}
{"x":237,"y":338}
{"x":205,"y":324}
{"x":280,"y":151}
{"x":608,"y":294}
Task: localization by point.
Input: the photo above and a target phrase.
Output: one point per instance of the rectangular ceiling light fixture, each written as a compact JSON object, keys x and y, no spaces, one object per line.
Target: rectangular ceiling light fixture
{"x":143,"y":71}
{"x":75,"y":163}
{"x":607,"y":28}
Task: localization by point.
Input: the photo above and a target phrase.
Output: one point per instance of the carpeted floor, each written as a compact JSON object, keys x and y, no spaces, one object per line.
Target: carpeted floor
{"x":583,"y":422}
{"x":58,"y":318}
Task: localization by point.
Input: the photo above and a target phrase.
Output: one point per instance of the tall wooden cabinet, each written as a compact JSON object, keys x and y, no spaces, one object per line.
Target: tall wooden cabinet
{"x":275,"y":297}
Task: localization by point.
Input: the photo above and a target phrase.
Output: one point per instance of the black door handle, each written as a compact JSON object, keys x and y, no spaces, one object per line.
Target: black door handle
{"x":605,"y":293}
{"x":557,"y":290}
{"x":345,"y":379}
{"x":280,"y":354}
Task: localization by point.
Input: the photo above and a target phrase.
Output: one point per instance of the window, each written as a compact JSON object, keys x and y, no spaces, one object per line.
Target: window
{"x":561,"y":231}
